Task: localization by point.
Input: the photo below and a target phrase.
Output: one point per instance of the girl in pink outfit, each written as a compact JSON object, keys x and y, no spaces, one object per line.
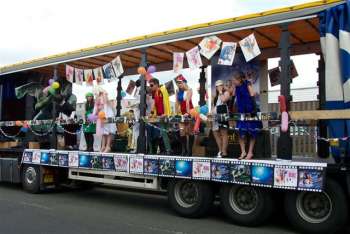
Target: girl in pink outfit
{"x":104,"y":109}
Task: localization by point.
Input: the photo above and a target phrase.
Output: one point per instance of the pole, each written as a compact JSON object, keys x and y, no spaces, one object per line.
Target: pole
{"x":53,"y":144}
{"x":284,"y":143}
{"x":119,"y":95}
{"x":202,"y":91}
{"x":141,"y":141}
{"x":322,"y":146}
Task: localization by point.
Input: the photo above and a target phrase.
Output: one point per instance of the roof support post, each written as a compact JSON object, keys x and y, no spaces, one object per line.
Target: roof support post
{"x":285,"y":144}
{"x":322,"y":146}
{"x":119,"y":95}
{"x":53,"y":143}
{"x":141,"y":141}
{"x":202,"y":81}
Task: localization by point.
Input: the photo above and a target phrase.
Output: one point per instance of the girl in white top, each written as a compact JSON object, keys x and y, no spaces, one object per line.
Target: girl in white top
{"x":106,"y":130}
{"x":220,"y":132}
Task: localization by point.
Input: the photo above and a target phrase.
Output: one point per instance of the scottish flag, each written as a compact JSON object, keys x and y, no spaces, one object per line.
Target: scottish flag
{"x":335,"y":44}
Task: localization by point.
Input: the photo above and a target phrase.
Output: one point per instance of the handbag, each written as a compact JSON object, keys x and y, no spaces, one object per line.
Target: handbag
{"x":222,"y":109}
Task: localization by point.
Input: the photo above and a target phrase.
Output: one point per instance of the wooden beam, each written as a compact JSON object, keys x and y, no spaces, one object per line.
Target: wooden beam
{"x":312,"y":25}
{"x":319,"y":114}
{"x":275,"y":43}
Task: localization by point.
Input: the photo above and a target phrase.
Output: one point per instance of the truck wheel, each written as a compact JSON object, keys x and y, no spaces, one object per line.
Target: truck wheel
{"x":190,"y":198}
{"x":246,"y":205}
{"x":31,"y":178}
{"x":313,"y":212}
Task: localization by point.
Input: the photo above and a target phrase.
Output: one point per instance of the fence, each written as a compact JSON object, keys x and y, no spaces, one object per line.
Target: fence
{"x":304,"y":142}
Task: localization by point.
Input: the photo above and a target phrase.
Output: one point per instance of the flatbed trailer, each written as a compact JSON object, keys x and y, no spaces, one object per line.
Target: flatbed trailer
{"x":315,"y":201}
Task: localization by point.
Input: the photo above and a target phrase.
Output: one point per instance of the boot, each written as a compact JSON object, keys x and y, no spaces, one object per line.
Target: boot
{"x":183,"y":141}
{"x":190,"y":144}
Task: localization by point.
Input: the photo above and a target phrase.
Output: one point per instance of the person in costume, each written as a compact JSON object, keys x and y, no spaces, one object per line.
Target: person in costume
{"x":89,"y":128}
{"x":104,"y":109}
{"x":183,"y":106}
{"x":63,"y":97}
{"x":245,"y":101}
{"x":220,"y":127}
{"x":160,"y":108}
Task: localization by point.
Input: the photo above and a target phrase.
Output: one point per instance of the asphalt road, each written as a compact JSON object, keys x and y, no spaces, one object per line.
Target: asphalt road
{"x":105,"y":210}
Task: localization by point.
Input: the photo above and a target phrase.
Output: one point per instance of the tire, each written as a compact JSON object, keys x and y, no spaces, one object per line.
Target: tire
{"x":246,"y":205}
{"x":189,"y":198}
{"x":31,"y":178}
{"x":312,"y":212}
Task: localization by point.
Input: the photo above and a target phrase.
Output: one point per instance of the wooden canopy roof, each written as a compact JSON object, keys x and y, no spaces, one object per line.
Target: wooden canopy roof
{"x":303,"y":27}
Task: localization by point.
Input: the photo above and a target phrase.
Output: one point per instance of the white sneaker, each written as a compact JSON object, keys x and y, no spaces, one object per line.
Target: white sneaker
{"x":219,"y":154}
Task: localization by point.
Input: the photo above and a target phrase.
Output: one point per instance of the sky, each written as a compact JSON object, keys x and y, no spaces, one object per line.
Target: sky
{"x":38,"y":28}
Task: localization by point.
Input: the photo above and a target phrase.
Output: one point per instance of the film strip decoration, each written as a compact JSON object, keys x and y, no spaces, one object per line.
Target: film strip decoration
{"x":302,"y":176}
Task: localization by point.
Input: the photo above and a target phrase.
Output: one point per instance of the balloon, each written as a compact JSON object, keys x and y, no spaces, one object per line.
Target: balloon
{"x":55,"y":85}
{"x":203,"y":117}
{"x":148,"y":77}
{"x":123,"y":93}
{"x":101,"y":115}
{"x":282,"y":101}
{"x":197,"y":124}
{"x":141,"y":71}
{"x":193,"y":113}
{"x":92,"y":117}
{"x":151,"y":69}
{"x":284,"y":122}
{"x":51,"y":81}
{"x":204,"y":110}
{"x":24,"y":129}
{"x":197,"y":109}
{"x":18,"y":123}
{"x":51,"y":91}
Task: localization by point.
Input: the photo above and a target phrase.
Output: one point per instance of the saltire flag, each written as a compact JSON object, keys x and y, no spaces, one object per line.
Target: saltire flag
{"x":335,"y":44}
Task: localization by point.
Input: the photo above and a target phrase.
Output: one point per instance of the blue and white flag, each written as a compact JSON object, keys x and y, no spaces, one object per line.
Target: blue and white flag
{"x":335,"y":43}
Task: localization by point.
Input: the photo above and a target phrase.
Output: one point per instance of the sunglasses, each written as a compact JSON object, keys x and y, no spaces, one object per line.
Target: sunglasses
{"x":151,"y":85}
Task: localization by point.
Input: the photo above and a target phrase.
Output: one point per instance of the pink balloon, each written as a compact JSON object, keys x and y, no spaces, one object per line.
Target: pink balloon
{"x":284,"y":121}
{"x":92,"y":117}
{"x":51,"y":81}
{"x":151,"y":69}
{"x":197,"y":124}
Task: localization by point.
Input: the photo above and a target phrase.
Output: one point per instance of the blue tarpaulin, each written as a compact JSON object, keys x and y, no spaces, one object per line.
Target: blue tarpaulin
{"x":335,"y":43}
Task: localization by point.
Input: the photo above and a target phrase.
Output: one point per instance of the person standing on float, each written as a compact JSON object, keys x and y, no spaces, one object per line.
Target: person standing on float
{"x":183,"y":106}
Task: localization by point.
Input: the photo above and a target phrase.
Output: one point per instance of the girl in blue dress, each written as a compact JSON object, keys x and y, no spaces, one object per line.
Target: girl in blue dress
{"x":245,"y":102}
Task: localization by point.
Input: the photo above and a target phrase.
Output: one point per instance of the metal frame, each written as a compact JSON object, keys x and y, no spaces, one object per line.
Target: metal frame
{"x":178,"y":35}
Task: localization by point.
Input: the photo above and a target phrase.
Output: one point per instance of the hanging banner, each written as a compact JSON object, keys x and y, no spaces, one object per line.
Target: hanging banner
{"x":69,"y":73}
{"x":89,"y":78}
{"x":79,"y":76}
{"x":194,"y":58}
{"x":131,"y":87}
{"x":118,"y":66}
{"x":178,"y":61}
{"x":209,"y":45}
{"x":108,"y":71}
{"x":98,"y":75}
{"x":250,"y":47}
{"x":275,"y":74}
{"x":227,"y":54}
{"x":170,"y":87}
